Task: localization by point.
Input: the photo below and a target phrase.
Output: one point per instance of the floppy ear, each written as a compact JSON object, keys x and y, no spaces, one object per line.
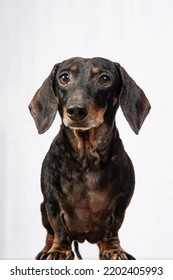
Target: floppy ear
{"x":43,"y":106}
{"x":133,"y":102}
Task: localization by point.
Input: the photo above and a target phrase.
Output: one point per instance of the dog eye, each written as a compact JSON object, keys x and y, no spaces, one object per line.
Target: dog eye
{"x":64,"y":79}
{"x":105,"y":80}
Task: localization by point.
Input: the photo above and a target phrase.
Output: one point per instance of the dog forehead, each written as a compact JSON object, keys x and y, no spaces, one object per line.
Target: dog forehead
{"x":95,"y":65}
{"x":72,"y":64}
{"x":102,"y":63}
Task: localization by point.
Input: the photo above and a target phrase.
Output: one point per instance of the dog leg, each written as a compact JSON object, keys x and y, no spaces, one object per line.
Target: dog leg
{"x":58,"y":251}
{"x":50,"y":232}
{"x":60,"y":246}
{"x":48,"y":245}
{"x":110,"y":249}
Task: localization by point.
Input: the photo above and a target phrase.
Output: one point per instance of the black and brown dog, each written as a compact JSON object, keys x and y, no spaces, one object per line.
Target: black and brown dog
{"x":87,"y":178}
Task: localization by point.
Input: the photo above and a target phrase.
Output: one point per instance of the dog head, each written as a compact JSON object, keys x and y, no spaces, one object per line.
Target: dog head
{"x":88,"y":92}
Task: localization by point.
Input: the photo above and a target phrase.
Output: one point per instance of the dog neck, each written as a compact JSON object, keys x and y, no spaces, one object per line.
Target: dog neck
{"x":92,"y":145}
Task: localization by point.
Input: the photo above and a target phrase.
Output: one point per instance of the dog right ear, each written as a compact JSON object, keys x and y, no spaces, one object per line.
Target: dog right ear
{"x":44,"y":106}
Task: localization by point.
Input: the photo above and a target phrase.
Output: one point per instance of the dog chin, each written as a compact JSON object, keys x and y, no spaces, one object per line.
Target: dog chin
{"x":80,"y":128}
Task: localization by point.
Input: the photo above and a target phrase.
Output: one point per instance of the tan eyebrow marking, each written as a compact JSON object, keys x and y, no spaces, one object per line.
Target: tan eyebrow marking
{"x":95,"y":70}
{"x":73,"y":68}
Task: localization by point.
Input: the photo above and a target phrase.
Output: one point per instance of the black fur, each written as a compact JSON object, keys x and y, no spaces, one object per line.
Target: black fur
{"x":87,"y":178}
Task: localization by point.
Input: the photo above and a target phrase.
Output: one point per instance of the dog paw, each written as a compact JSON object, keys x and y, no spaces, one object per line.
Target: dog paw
{"x":59,"y":255}
{"x":38,"y":257}
{"x":115,"y":255}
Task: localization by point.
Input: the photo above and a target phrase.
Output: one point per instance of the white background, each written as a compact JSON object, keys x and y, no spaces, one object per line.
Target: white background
{"x":36,"y":34}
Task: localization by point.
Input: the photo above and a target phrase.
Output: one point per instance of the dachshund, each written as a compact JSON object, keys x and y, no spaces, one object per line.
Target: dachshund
{"x":87,"y":178}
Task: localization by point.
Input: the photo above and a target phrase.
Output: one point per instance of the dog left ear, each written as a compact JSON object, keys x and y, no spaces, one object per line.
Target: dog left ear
{"x":133,"y":102}
{"x":44,"y":106}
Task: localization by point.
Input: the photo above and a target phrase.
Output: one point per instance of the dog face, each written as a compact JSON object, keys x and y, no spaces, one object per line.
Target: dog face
{"x":85,"y":89}
{"x":87,"y":92}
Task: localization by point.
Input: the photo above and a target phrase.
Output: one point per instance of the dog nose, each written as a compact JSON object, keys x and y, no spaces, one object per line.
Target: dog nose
{"x":77,"y":113}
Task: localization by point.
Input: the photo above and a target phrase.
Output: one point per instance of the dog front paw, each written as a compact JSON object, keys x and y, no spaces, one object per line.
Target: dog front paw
{"x":114,"y":254}
{"x":58,"y":255}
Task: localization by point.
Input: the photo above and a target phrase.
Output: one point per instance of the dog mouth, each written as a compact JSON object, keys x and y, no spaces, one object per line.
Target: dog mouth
{"x":80,"y":128}
{"x":83,"y":125}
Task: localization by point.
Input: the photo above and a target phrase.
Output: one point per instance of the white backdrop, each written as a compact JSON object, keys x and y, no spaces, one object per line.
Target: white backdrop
{"x":36,"y":34}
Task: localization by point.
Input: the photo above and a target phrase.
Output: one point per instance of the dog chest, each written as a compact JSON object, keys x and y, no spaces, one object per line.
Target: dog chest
{"x":87,"y":205}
